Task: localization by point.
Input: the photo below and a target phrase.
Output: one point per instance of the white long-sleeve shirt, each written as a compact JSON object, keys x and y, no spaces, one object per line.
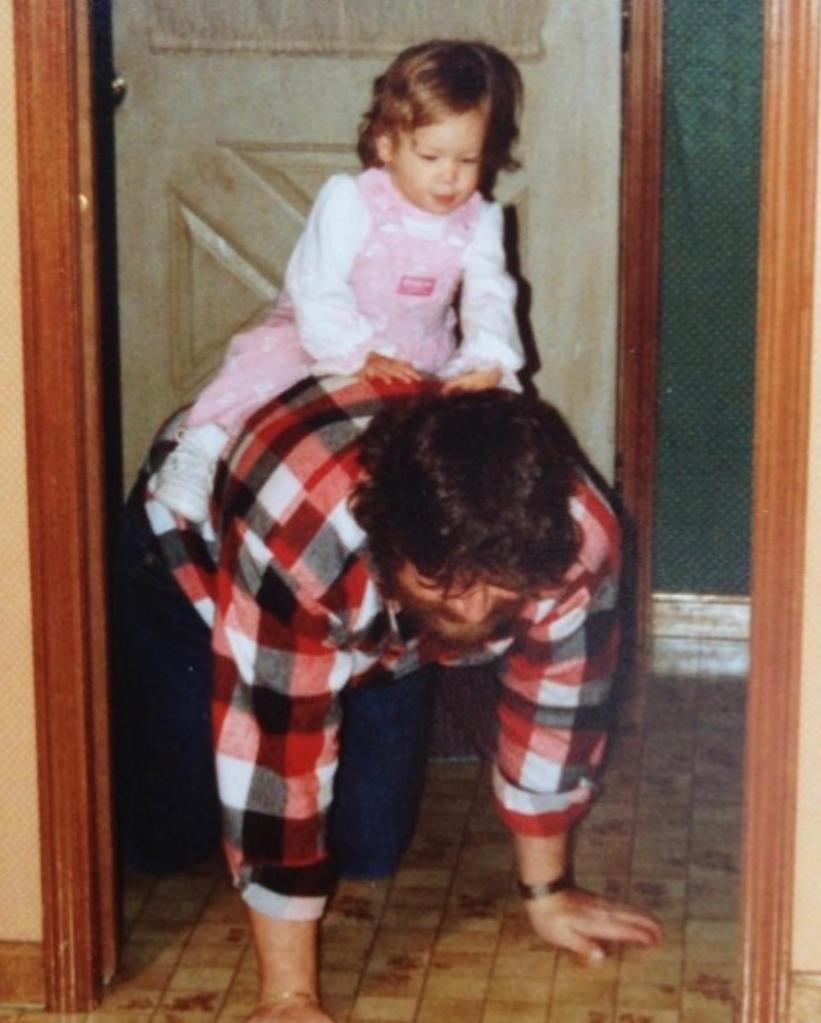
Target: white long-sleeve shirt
{"x":373,"y":273}
{"x":339,"y":335}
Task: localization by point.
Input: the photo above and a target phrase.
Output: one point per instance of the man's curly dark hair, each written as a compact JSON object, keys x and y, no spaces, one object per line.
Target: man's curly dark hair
{"x":467,"y":487}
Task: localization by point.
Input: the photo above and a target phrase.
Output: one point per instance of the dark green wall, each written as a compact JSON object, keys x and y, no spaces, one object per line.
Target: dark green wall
{"x":712,"y":79}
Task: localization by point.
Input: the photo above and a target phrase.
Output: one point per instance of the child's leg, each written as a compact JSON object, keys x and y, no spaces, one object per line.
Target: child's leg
{"x":260,"y":364}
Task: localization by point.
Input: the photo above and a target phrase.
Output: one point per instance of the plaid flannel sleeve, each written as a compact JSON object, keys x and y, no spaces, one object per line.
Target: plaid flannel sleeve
{"x":553,"y":708}
{"x":277,"y":676}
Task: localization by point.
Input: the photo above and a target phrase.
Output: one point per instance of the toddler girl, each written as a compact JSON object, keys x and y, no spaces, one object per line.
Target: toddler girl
{"x":371,"y":286}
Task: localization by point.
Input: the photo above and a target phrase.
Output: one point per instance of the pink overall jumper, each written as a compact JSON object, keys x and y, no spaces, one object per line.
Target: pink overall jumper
{"x":403,"y":282}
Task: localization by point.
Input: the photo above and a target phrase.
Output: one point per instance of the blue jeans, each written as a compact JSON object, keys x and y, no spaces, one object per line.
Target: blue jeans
{"x":166,"y":805}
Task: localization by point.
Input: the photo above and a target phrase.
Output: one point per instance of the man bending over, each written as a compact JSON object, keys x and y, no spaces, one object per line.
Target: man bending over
{"x":358,"y":532}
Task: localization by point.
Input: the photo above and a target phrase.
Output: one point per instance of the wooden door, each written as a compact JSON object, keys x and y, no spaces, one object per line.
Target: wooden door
{"x":231,"y":124}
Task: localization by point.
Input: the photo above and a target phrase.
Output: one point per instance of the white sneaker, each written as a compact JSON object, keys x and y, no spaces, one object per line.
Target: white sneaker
{"x":186,"y":478}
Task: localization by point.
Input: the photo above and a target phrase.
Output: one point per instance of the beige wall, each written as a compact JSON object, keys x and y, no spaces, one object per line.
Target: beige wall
{"x":20,"y":906}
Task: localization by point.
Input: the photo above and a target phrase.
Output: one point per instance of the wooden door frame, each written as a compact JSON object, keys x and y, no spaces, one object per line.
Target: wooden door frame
{"x":786,"y":262}
{"x":64,"y":449}
{"x":64,"y":444}
{"x":639,"y":289}
{"x":786,"y":289}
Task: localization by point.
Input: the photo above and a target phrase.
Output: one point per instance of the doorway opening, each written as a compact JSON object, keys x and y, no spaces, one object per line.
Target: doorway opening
{"x":781,"y":408}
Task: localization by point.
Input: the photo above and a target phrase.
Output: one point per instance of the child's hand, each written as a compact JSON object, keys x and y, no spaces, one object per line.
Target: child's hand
{"x":382,"y":367}
{"x":474,"y":380}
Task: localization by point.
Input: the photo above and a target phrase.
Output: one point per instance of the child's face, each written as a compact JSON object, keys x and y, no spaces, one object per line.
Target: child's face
{"x":437,"y":166}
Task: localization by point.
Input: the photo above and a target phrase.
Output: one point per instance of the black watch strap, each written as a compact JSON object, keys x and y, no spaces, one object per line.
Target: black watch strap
{"x":537,"y":891}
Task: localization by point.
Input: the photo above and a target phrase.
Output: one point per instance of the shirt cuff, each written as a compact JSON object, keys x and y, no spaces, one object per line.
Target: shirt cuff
{"x":540,"y":813}
{"x":283,"y":907}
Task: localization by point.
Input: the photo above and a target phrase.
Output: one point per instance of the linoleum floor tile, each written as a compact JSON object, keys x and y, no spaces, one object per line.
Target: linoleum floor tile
{"x":586,"y":989}
{"x":447,"y":941}
{"x":534,"y":990}
{"x":130,"y":1001}
{"x":116,"y":1016}
{"x":628,"y":1015}
{"x":640,"y":997}
{"x":440,"y":1010}
{"x":579,"y":1014}
{"x":199,"y":1006}
{"x":386,"y":1008}
{"x":52,"y":1017}
{"x":514,"y":1012}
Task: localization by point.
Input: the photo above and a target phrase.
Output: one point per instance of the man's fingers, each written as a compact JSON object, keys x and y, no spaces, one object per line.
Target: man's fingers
{"x":582,"y":922}
{"x":583,"y":946}
{"x":631,"y":917}
{"x":586,"y":936}
{"x":620,"y":931}
{"x":622,"y":924}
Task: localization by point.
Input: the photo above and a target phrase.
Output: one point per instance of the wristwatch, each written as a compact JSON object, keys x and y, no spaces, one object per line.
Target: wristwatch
{"x":537,"y":891}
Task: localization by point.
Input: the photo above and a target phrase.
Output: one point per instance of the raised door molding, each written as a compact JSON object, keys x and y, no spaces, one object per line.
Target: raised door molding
{"x":342,"y":27}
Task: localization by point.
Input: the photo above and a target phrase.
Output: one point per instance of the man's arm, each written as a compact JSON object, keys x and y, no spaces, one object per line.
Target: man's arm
{"x":553,"y":718}
{"x":553,"y":709}
{"x":276,"y":720}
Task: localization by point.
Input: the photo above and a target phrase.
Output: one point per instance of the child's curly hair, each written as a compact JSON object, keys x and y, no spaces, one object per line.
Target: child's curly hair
{"x":429,"y":81}
{"x":467,"y":487}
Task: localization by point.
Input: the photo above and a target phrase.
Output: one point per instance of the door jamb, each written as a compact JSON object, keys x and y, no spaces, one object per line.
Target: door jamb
{"x":639,"y":286}
{"x":788,"y":212}
{"x":786,"y":286}
{"x":62,"y":382}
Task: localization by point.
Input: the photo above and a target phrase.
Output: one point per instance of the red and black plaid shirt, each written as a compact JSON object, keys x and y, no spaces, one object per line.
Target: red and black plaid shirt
{"x":284,"y":578}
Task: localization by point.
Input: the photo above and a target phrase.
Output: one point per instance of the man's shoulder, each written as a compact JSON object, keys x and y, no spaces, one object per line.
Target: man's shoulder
{"x":593,"y":509}
{"x":335,"y":407}
{"x":306,"y":437}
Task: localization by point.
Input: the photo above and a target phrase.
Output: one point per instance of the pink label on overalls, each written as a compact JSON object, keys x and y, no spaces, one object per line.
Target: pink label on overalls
{"x":421,"y":286}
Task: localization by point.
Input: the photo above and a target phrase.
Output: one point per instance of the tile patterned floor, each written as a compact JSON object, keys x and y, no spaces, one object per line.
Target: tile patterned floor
{"x":445,"y":940}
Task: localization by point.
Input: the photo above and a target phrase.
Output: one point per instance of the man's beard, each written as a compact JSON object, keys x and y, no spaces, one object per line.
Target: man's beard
{"x":438,"y":623}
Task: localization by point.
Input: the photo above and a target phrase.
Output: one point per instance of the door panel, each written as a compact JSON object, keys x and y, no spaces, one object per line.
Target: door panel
{"x":230,"y":126}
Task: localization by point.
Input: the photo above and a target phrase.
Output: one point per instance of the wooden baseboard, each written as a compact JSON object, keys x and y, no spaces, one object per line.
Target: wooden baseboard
{"x":805,"y":997}
{"x":700,"y":616}
{"x":22,"y":978}
{"x":699,"y":635}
